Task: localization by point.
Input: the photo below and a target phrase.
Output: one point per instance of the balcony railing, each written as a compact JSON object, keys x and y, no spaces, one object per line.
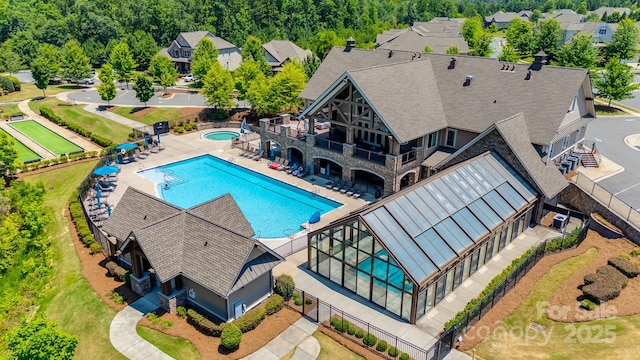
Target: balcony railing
{"x":328,"y":144}
{"x":376,"y":157}
{"x":297,"y":134}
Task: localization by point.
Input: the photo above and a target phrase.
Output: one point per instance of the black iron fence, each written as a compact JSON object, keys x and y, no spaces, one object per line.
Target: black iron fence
{"x":372,"y":156}
{"x":322,"y":312}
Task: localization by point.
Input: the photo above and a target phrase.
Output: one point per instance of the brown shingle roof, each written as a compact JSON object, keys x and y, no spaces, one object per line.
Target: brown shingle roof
{"x":224,"y":211}
{"x":281,"y":50}
{"x":438,"y":42}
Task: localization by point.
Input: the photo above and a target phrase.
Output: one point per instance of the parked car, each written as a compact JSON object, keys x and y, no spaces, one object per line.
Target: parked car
{"x":88,"y":81}
{"x":189,"y":77}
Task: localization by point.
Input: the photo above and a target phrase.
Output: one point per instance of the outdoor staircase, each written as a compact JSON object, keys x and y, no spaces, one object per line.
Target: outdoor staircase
{"x":589,"y":161}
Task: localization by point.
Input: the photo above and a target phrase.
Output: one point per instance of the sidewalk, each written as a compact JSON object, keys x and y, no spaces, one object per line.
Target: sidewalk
{"x":94,"y":109}
{"x":124,"y":337}
{"x":297,"y":336}
{"x":606,"y":169}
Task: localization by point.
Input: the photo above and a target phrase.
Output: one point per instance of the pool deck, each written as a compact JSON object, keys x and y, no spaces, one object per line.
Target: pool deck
{"x":180,"y":147}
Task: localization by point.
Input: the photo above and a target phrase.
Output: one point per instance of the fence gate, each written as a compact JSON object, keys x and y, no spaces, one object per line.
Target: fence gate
{"x":446,"y":343}
{"x":310,"y":306}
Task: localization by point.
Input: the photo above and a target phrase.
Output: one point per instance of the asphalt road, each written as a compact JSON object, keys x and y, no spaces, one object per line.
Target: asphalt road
{"x":609,"y":134}
{"x":128,"y":98}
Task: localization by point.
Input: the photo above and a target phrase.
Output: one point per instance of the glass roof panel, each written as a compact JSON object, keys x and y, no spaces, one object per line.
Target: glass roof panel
{"x":437,"y":249}
{"x":441,"y":184}
{"x":412,"y":199}
{"x":469,"y":223}
{"x":487,"y":172}
{"x":438,"y":212}
{"x":462,"y":192}
{"x":404,"y":218}
{"x":521,"y":185}
{"x":498,"y":204}
{"x":475,"y":185}
{"x":453,"y":235}
{"x":478,"y":177}
{"x":400,"y":244}
{"x":485,"y":214}
{"x":512,"y":196}
{"x":443,"y":200}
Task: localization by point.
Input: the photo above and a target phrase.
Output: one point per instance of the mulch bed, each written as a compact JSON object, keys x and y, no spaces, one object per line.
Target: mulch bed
{"x":209,"y":347}
{"x":96,"y":274}
{"x":568,"y":292}
{"x":351,"y":344}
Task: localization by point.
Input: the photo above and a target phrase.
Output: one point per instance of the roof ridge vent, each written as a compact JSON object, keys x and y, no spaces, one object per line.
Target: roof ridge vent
{"x":390,"y":53}
{"x":452,"y":64}
{"x":513,"y":68}
{"x":467,"y":80}
{"x":529,"y":74}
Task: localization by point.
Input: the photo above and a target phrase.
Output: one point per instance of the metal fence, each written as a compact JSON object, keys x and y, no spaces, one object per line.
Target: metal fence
{"x":622,"y":209}
{"x":292,"y":246}
{"x":548,"y":246}
{"x":322,"y":312}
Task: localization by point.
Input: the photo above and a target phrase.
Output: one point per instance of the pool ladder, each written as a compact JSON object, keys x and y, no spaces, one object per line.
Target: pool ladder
{"x":231,"y":159}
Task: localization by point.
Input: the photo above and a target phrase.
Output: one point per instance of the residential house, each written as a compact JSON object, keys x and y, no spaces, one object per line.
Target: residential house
{"x":564,"y":16}
{"x":439,"y":34}
{"x":278,"y":52}
{"x":385,"y":119}
{"x":204,"y":256}
{"x":610,"y":10}
{"x":181,"y":50}
{"x":602,"y":32}
{"x":503,"y":19}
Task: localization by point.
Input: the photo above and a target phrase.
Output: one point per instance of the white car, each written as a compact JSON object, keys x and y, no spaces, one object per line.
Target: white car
{"x":189,"y":77}
{"x":88,"y":81}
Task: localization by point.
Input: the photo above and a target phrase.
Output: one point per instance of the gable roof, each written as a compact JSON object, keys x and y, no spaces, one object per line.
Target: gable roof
{"x":414,"y":41}
{"x":610,"y":10}
{"x":200,"y":243}
{"x":192,"y":38}
{"x":281,"y":50}
{"x":492,"y":95}
{"x":386,"y":86}
{"x":505,"y":17}
{"x":514,"y":131}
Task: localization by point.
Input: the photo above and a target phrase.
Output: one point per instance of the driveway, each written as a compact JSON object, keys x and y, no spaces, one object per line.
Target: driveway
{"x":128,"y":98}
{"x":609,"y":133}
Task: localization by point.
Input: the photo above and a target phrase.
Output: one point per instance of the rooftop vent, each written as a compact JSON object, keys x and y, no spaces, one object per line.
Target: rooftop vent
{"x":528,"y":77}
{"x":351,"y":43}
{"x":390,"y":53}
{"x":452,"y":64}
{"x":513,"y":67}
{"x":539,"y":60}
{"x":467,"y":80}
{"x":504,"y":66}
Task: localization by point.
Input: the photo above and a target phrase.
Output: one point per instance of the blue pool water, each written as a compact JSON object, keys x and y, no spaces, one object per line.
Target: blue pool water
{"x":221,"y":135}
{"x":273,"y":208}
{"x":396,"y":276}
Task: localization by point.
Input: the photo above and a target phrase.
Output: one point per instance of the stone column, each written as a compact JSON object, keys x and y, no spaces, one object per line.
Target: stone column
{"x":165,"y":287}
{"x":136,"y":264}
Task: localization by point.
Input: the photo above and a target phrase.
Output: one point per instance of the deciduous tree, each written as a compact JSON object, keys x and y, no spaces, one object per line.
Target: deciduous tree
{"x":615,"y":82}
{"x":122,"y":62}
{"x":624,"y":43}
{"x":40,"y":340}
{"x":75,"y":64}
{"x":580,"y":52}
{"x":8,"y":155}
{"x":143,"y":88}
{"x":218,"y":87}
{"x":9,"y":60}
{"x":252,"y":50}
{"x":549,"y":37}
{"x":107,"y":88}
{"x":248,"y":72}
{"x":311,"y":63}
{"x":203,"y":58}
{"x":508,"y":54}
{"x":163,"y":71}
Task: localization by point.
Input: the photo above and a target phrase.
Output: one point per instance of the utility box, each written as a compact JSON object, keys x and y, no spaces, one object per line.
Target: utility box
{"x":560,"y":221}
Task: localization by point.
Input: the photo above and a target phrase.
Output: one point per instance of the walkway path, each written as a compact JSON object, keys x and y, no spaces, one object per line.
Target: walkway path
{"x":298,"y":336}
{"x":124,"y":337}
{"x":94,"y":109}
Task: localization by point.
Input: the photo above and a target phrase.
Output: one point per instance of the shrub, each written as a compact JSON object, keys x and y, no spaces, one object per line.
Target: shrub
{"x":351,"y":330}
{"x":178,"y":129}
{"x":119,"y":273}
{"x":16,"y":82}
{"x":298,"y":301}
{"x":308,"y":301}
{"x":274,"y":304}
{"x":284,"y":286}
{"x":601,"y":291}
{"x":625,"y":266}
{"x":360,"y":333}
{"x":393,"y":351}
{"x":204,"y":325}
{"x":369,"y":339}
{"x":612,"y":275}
{"x":405,"y":356}
{"x":381,"y":346}
{"x":251,"y":319}
{"x":6,"y":84}
{"x":588,"y":304}
{"x":635,"y":252}
{"x":95,"y":248}
{"x":624,"y":256}
{"x":116,"y":297}
{"x":231,"y":337}
{"x":181,"y":311}
{"x":341,"y":325}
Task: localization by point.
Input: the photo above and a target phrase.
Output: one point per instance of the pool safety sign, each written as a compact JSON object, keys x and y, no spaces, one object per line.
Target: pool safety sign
{"x":161,"y":127}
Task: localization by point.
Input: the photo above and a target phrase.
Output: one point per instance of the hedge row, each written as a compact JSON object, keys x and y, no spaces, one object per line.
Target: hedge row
{"x":604,"y":285}
{"x":368,"y":339}
{"x":48,"y":113}
{"x":55,"y":161}
{"x":82,"y":228}
{"x":204,"y":325}
{"x":274,"y":304}
{"x":625,"y":266}
{"x":569,"y":241}
{"x":118,"y":272}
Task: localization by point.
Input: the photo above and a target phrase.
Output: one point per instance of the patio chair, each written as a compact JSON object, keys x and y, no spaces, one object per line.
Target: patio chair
{"x":258,"y":156}
{"x":329,"y":184}
{"x":104,"y":188}
{"x":337,"y":186}
{"x":356,"y":193}
{"x":351,"y":190}
{"x":345,"y":187}
{"x":248,"y":152}
{"x":284,"y":165}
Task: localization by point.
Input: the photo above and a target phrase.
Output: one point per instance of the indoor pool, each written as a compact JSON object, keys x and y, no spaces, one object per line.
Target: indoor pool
{"x":273,"y":208}
{"x":221,"y":135}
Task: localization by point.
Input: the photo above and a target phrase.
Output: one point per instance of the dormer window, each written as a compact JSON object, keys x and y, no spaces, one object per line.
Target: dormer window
{"x":602,"y":31}
{"x":177,"y":53}
{"x":573,"y":104}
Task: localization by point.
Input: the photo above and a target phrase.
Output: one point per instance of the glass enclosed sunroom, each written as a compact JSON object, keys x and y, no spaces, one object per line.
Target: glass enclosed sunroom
{"x":407,"y":252}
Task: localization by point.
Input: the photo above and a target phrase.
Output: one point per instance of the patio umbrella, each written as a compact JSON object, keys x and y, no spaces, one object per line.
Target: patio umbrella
{"x":328,"y":169}
{"x":98,"y":195}
{"x":105,"y":170}
{"x":126,"y":146}
{"x":109,"y":210}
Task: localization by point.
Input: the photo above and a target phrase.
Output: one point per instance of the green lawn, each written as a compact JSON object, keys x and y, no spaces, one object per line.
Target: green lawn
{"x":73,"y":303}
{"x":30,"y":91}
{"x":45,"y":137}
{"x":10,"y":109}
{"x":175,"y":347}
{"x":614,"y":338}
{"x":331,"y":349}
{"x":75,"y":114}
{"x":152,"y":116}
{"x":608,"y":110}
{"x":24,"y":153}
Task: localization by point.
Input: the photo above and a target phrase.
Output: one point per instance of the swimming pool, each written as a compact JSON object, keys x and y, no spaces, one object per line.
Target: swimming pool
{"x":221,"y":135}
{"x":273,"y":208}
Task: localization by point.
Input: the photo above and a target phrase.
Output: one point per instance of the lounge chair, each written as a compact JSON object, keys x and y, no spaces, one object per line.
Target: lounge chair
{"x":299,"y":172}
{"x":292,"y":168}
{"x":351,"y":190}
{"x":329,"y":185}
{"x":258,"y":156}
{"x":100,"y":217}
{"x":356,"y":193}
{"x":345,"y":187}
{"x":284,"y":164}
{"x":249,"y":152}
{"x":103,"y":188}
{"x":337,"y":186}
